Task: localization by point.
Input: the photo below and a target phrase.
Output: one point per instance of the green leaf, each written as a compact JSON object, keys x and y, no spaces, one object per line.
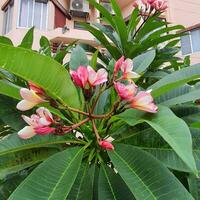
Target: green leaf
{"x":173,"y":129}
{"x":20,"y":160}
{"x":179,"y":95}
{"x":111,"y":186}
{"x":133,"y":21}
{"x":175,"y":79}
{"x":137,"y":168}
{"x":13,"y":143}
{"x":108,"y":32}
{"x":60,"y":55}
{"x":103,"y":11}
{"x":194,"y":186}
{"x":83,"y":185}
{"x":78,"y":58}
{"x":143,"y":61}
{"x":30,"y":66}
{"x":52,"y":179}
{"x":45,"y":46}
{"x":9,"y":114}
{"x":5,"y":40}
{"x":114,"y":51}
{"x":9,"y":89}
{"x":27,"y":41}
{"x":93,"y":62}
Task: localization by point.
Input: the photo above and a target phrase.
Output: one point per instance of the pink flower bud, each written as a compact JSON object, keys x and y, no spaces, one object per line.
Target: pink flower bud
{"x":106,"y":145}
{"x":38,"y":90}
{"x":96,"y":78}
{"x":80,"y":76}
{"x":126,"y":92}
{"x":118,"y":65}
{"x":44,"y":130}
{"x":144,"y":101}
{"x":126,"y":66}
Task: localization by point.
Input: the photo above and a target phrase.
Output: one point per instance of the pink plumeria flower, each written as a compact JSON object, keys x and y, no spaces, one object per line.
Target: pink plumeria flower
{"x":160,"y":5}
{"x":118,"y":65}
{"x":80,"y":76}
{"x":30,"y":99}
{"x":125,"y":92}
{"x":144,"y":101}
{"x":38,"y":124}
{"x":96,"y":78}
{"x":126,"y":66}
{"x":106,"y":145}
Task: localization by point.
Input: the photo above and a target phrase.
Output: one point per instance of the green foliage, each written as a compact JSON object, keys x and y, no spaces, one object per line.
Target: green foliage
{"x":137,"y":168}
{"x":78,"y":58}
{"x":156,"y":155}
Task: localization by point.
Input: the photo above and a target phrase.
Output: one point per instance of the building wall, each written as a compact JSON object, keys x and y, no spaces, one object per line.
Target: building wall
{"x":187,"y":13}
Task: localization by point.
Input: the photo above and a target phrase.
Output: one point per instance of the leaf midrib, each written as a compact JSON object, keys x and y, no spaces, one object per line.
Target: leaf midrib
{"x":63,"y":174}
{"x":109,"y":183}
{"x":135,"y":175}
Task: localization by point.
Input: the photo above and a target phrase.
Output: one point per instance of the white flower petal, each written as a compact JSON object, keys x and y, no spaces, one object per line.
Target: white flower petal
{"x":24,"y":105}
{"x":27,"y":132}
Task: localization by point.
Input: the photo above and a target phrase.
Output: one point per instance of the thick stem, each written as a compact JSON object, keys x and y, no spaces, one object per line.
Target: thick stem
{"x":70,"y":128}
{"x":95,"y":130}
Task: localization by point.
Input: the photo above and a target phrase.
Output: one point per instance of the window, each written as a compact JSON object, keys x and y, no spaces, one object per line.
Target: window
{"x":191,"y":43}
{"x":33,"y":13}
{"x":8,"y":15}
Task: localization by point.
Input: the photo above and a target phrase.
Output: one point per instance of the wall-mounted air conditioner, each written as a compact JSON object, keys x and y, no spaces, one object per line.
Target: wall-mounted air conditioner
{"x":108,"y":7}
{"x":79,"y":8}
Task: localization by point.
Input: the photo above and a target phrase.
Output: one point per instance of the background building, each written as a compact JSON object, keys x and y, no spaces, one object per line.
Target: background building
{"x":52,"y":19}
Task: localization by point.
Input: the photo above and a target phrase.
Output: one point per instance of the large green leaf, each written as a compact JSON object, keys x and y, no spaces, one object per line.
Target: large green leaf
{"x":9,"y":114}
{"x":5,"y":40}
{"x":143,"y":61}
{"x":52,"y":179}
{"x":179,"y":95}
{"x":175,"y":79}
{"x":83,"y":184}
{"x":145,"y":176}
{"x":148,"y":140}
{"x":20,"y":160}
{"x":33,"y":66}
{"x":111,"y":186}
{"x":13,"y":143}
{"x":173,"y":129}
{"x":78,"y":58}
{"x":9,"y":89}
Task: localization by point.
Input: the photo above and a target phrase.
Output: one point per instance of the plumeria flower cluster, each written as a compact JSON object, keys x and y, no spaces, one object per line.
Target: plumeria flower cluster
{"x":138,"y":100}
{"x":158,"y":5}
{"x":86,"y":78}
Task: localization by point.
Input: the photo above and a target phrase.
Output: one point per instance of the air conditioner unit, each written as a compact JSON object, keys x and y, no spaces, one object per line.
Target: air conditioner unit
{"x":108,"y":7}
{"x":79,"y":8}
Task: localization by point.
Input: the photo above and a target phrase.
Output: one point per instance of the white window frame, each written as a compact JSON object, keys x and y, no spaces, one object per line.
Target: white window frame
{"x":33,"y":9}
{"x":192,"y":50}
{"x":6,"y":22}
